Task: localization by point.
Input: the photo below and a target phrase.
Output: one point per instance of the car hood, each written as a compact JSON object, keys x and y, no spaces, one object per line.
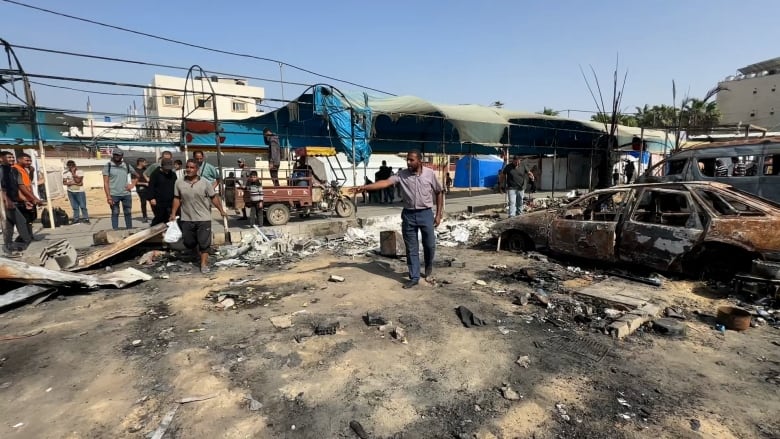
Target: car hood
{"x":525,"y":221}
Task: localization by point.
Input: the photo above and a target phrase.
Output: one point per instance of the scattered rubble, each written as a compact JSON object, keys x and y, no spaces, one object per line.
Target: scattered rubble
{"x":524,"y":361}
{"x":468,"y":318}
{"x":510,"y":394}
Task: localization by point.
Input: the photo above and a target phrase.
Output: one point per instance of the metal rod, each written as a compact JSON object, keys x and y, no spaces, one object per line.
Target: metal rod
{"x":354,"y":168}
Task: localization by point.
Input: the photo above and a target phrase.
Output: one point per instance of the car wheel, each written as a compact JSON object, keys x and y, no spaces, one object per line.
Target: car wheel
{"x":721,"y":262}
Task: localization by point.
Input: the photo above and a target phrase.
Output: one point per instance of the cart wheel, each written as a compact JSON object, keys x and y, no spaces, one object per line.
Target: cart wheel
{"x":345,"y":208}
{"x":277,"y":214}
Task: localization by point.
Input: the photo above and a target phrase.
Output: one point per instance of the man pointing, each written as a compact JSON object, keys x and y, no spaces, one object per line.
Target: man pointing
{"x":420,"y":190}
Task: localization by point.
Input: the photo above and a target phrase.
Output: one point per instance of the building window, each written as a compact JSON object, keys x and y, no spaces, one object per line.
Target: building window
{"x":203,"y":102}
{"x":239,"y":107}
{"x":171,"y":100}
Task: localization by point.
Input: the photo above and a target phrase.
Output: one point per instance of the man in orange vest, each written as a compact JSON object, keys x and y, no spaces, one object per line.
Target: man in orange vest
{"x":24,"y":198}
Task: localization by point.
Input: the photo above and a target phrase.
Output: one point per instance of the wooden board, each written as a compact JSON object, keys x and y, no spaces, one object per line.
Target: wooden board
{"x":118,"y":247}
{"x":627,"y":293}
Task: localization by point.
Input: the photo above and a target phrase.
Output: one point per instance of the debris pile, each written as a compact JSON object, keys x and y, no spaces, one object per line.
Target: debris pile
{"x":465,"y":230}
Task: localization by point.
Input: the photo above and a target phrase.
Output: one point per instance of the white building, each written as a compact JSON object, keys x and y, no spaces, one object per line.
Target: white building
{"x":752,"y":96}
{"x":165,"y":98}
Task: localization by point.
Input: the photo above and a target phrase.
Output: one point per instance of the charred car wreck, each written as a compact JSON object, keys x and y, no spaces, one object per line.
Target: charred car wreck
{"x":692,"y":227}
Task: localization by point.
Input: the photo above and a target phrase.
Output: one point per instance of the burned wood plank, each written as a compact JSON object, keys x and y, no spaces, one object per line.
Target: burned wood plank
{"x":21,"y":294}
{"x":29,"y":274}
{"x":114,"y":249}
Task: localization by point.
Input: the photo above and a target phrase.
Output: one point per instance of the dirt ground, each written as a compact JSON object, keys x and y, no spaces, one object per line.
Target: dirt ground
{"x":112,"y":363}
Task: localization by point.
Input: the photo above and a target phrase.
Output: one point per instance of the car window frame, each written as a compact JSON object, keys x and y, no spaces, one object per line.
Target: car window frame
{"x":686,"y":192}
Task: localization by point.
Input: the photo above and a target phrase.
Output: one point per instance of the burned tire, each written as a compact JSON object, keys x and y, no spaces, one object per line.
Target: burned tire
{"x":719,"y":262}
{"x":277,"y":214}
{"x":345,"y":208}
{"x":516,"y":241}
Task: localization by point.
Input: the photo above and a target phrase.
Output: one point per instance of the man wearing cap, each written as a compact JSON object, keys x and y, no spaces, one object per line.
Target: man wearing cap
{"x":274,"y":154}
{"x":161,"y":185}
{"x":242,"y":179}
{"x":516,"y":177}
{"x":155,"y":166}
{"x":119,"y":179}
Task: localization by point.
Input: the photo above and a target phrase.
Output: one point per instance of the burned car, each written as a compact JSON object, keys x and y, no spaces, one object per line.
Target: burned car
{"x":692,"y":227}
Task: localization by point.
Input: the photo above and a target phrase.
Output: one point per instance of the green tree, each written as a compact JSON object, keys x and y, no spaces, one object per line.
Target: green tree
{"x":497,"y":104}
{"x":549,"y":112}
{"x":622,"y":119}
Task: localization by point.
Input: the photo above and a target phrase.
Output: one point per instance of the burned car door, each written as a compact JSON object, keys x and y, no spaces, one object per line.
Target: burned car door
{"x":662,"y":226}
{"x":586,"y":228}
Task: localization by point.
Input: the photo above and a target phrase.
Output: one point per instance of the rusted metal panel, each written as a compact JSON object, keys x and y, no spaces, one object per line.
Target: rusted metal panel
{"x":587,"y":239}
{"x":656,"y":245}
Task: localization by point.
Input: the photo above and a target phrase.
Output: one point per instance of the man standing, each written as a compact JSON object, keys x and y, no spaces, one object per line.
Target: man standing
{"x":516,"y":177}
{"x":73,"y":179}
{"x":161,"y":187}
{"x":155,"y":166}
{"x":274,"y":154}
{"x":383,"y":174}
{"x":420,"y":190}
{"x":206,"y":170}
{"x":13,"y":216}
{"x":242,"y":179}
{"x":141,"y":186}
{"x":195,"y":196}
{"x":628,"y":169}
{"x":119,"y":179}
{"x":26,"y":201}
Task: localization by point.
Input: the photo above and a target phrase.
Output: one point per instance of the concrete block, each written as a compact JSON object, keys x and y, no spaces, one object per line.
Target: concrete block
{"x":217,"y":238}
{"x":391,"y":243}
{"x":619,"y":329}
{"x":668,"y":326}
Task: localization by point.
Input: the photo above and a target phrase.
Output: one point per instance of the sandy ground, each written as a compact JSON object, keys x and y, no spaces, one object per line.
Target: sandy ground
{"x":112,"y":363}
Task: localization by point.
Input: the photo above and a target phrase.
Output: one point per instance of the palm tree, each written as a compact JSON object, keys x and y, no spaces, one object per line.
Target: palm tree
{"x":549,"y":112}
{"x":497,"y":104}
{"x":622,"y":119}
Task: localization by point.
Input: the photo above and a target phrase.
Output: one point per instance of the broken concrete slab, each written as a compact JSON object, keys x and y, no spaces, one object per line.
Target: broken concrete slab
{"x":282,"y":322}
{"x":629,"y":294}
{"x":670,"y":326}
{"x":118,"y":247}
{"x":29,"y":274}
{"x":632,"y":320}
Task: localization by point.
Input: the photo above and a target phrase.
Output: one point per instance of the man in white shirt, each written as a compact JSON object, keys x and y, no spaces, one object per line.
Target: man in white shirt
{"x":73,"y":179}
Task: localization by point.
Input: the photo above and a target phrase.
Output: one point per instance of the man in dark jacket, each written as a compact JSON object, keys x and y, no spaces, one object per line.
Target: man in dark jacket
{"x":274,"y":154}
{"x":160,"y":192}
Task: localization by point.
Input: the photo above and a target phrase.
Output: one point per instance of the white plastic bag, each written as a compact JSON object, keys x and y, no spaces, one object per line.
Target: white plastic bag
{"x":173,"y":234}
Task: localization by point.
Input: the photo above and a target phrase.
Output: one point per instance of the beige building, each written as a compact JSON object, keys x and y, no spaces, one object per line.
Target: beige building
{"x":165,"y":97}
{"x":752,"y":96}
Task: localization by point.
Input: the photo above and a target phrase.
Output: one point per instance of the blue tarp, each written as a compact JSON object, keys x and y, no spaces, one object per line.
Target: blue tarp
{"x":484,"y":171}
{"x":350,"y":125}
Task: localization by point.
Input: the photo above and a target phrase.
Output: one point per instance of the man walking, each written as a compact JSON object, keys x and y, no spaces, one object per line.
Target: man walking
{"x":516,"y":177}
{"x":206,"y":170}
{"x":73,"y":179}
{"x":119,"y":179}
{"x":161,"y":187}
{"x":195,"y":196}
{"x":274,"y":154}
{"x":420,"y":190}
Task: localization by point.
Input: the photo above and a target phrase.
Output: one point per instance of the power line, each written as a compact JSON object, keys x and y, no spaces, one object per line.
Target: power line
{"x":165,"y":66}
{"x":196,"y":46}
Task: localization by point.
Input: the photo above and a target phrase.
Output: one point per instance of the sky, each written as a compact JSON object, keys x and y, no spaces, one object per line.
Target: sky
{"x":525,"y":54}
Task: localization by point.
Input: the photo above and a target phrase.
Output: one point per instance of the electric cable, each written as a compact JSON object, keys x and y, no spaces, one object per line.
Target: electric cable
{"x":196,"y":46}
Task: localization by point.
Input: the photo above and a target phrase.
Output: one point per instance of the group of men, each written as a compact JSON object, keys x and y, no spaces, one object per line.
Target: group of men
{"x":19,"y":201}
